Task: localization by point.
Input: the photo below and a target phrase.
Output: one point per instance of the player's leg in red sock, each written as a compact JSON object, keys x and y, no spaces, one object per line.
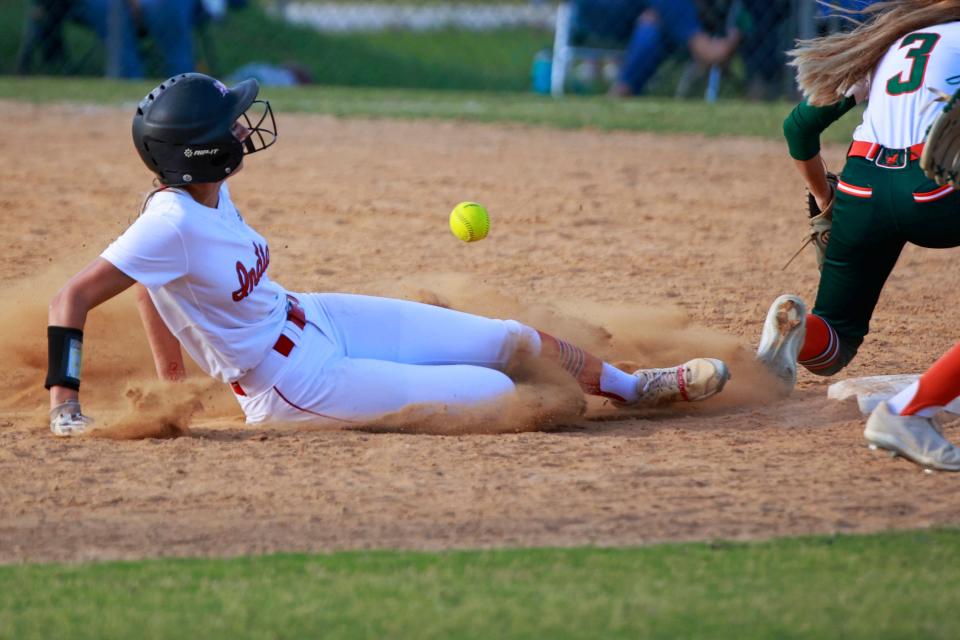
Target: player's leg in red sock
{"x":594,"y":376}
{"x":937,"y":387}
{"x":821,"y":347}
{"x":697,"y":379}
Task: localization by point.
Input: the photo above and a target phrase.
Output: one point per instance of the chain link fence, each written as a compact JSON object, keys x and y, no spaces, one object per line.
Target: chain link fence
{"x":691,"y":48}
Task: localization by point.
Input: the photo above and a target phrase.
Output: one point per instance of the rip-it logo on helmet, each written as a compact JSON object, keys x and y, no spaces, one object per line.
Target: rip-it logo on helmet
{"x":188,"y":152}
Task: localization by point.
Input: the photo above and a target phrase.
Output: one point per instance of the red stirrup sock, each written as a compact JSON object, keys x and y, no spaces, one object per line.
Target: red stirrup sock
{"x":821,"y":347}
{"x":935,"y":389}
{"x":594,"y":376}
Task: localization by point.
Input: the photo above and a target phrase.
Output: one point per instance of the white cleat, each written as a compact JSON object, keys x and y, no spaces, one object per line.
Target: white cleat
{"x":695,"y":380}
{"x":67,"y":420}
{"x":916,"y":439}
{"x":783,"y":333}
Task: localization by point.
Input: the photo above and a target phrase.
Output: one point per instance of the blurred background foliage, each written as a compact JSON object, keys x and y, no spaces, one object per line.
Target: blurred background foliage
{"x":495,"y":60}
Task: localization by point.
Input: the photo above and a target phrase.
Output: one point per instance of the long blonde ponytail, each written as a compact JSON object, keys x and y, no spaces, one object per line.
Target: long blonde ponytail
{"x":828,"y":67}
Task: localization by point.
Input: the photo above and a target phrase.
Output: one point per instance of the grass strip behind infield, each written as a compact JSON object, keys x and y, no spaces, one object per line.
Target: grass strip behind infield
{"x":660,"y":115}
{"x":497,"y":60}
{"x":891,"y":585}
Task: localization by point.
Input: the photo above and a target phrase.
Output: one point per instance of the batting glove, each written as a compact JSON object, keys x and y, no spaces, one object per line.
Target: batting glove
{"x":66,"y":419}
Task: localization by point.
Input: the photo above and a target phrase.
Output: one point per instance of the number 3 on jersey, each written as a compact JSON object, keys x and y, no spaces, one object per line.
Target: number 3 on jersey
{"x":897,"y":85}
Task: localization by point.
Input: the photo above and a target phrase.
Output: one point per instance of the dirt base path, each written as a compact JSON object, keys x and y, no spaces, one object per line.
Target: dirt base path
{"x":647,"y":248}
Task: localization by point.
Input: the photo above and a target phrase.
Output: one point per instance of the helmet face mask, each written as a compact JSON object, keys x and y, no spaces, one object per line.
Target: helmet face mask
{"x":184,"y":128}
{"x":261,"y":127}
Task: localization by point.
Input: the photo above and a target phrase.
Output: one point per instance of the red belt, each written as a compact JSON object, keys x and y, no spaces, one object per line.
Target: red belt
{"x":283,"y":345}
{"x":870,"y":150}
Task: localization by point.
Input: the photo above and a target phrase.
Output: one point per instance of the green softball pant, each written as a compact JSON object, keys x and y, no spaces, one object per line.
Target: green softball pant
{"x":877,"y":211}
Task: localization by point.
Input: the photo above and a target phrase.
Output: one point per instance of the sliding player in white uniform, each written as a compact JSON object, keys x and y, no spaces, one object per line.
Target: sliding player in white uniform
{"x":290,"y":357}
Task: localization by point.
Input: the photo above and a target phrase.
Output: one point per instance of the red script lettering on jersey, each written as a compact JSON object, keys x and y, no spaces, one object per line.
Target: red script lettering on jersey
{"x":251,"y":278}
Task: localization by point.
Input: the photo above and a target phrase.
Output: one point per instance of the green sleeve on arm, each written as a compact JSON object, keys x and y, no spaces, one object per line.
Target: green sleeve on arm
{"x":803,"y":126}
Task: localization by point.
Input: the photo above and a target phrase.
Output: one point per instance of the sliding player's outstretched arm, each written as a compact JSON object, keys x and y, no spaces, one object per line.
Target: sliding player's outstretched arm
{"x":94,"y":284}
{"x":167,"y":354}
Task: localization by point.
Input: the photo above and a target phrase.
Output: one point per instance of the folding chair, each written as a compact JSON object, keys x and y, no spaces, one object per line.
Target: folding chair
{"x":565,"y":54}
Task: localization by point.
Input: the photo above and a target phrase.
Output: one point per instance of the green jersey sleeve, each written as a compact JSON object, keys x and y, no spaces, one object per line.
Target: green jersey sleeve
{"x":802,"y":128}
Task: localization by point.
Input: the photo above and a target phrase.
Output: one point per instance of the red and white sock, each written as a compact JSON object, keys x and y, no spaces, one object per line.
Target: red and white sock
{"x":935,"y":389}
{"x":821,"y":347}
{"x":594,"y":376}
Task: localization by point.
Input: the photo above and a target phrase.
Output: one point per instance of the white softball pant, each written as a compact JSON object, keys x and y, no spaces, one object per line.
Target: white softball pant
{"x":360,"y":357}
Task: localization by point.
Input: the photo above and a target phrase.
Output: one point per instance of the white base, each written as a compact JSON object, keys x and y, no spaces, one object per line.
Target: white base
{"x":872,"y":390}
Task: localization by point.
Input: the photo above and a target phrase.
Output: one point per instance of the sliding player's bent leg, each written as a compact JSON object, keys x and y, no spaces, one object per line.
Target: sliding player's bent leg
{"x":411,"y":332}
{"x":414,"y":333}
{"x":695,"y":380}
{"x":358,"y":389}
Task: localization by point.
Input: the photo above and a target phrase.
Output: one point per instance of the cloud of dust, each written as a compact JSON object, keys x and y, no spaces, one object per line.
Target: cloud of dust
{"x":155,"y":409}
{"x":122,"y":392}
{"x":120,"y":388}
{"x":546,"y":398}
{"x":629,"y":336}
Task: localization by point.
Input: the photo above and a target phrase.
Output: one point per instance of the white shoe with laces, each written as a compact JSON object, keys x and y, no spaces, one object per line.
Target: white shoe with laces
{"x":66,"y":419}
{"x":784,"y":331}
{"x":695,"y":380}
{"x":915,"y":438}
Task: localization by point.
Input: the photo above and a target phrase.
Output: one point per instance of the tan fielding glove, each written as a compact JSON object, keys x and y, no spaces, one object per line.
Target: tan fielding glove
{"x":941,"y":153}
{"x":820,"y":224}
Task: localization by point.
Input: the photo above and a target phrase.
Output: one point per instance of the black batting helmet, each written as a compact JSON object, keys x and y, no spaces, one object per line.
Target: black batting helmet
{"x":184,"y":128}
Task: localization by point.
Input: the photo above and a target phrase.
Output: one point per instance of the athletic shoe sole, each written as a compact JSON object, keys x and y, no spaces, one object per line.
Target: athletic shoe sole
{"x":783,"y":333}
{"x":721,"y":374}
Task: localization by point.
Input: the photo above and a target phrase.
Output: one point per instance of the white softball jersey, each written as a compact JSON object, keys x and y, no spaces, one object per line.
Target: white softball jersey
{"x":206,"y":271}
{"x":354,"y":357}
{"x":898,"y":111}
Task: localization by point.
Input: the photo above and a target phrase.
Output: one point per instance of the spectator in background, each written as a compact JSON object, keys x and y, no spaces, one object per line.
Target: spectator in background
{"x":763,"y":47}
{"x":169,"y":23}
{"x":286,"y":74}
{"x":652,"y":29}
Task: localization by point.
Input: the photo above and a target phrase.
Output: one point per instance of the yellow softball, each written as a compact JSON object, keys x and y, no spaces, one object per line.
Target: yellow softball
{"x":469,"y":221}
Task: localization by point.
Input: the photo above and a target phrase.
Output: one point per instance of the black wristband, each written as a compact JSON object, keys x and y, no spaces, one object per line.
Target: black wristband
{"x":64,"y":349}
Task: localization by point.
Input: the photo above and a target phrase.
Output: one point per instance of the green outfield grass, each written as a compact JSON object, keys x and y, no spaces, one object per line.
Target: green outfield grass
{"x":497,"y":60}
{"x":893,"y":585}
{"x":665,"y":115}
{"x":446,"y":59}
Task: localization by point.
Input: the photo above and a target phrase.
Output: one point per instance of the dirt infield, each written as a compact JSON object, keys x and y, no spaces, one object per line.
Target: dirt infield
{"x":647,"y":248}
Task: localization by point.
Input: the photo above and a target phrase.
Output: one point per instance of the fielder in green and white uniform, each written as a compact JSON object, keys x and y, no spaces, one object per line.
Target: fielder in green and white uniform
{"x":882,"y":199}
